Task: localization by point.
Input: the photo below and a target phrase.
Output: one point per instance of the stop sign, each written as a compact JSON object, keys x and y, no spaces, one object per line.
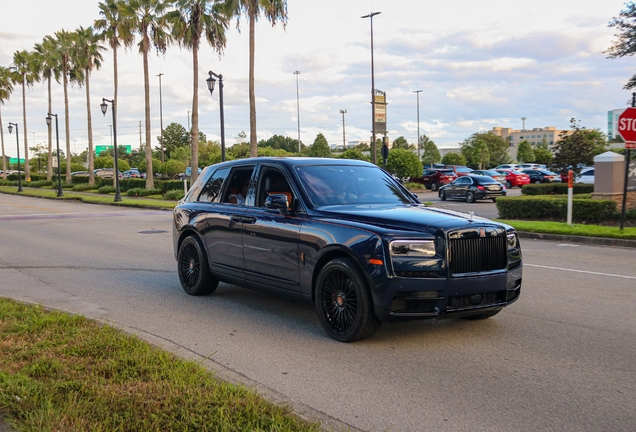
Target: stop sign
{"x":627,"y":125}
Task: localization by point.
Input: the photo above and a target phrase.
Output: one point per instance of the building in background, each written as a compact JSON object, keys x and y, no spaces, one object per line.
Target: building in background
{"x":513,"y":137}
{"x":612,"y":122}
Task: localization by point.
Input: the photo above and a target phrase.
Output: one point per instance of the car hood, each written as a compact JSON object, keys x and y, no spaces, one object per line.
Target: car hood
{"x":406,"y":217}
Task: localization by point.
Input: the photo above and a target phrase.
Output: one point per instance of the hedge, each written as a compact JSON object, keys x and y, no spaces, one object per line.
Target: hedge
{"x":556,"y":189}
{"x":555,"y":208}
{"x":168,"y":185}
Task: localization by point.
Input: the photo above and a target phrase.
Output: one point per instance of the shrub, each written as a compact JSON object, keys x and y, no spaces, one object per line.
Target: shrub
{"x":174,"y":195}
{"x":40,"y":183}
{"x":84,"y":187}
{"x":403,"y":163}
{"x":555,"y":189}
{"x":555,"y":208}
{"x":168,"y":185}
{"x":106,"y":189}
{"x":143,"y":192}
{"x":132,"y":183}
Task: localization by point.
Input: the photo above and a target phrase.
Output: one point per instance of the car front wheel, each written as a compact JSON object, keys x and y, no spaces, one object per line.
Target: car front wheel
{"x":193,"y":268}
{"x":343,"y":302}
{"x":470,"y":197}
{"x":508,"y":184}
{"x":442,"y":195}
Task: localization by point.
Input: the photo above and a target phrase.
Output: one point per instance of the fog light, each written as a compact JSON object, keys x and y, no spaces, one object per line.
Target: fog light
{"x":476,"y":299}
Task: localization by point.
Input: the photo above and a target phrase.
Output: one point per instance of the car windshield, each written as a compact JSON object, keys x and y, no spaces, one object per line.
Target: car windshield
{"x":348,"y":184}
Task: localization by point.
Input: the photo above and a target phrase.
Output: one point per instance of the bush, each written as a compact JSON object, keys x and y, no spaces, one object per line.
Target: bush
{"x":40,"y":183}
{"x":168,"y":185}
{"x":556,"y":189}
{"x":174,"y":195}
{"x":403,"y":163}
{"x":84,"y":187}
{"x":132,"y":183}
{"x":106,"y":189}
{"x":143,"y":192}
{"x":555,"y":208}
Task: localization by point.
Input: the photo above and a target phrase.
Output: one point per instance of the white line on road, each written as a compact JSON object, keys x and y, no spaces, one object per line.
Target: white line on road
{"x":580,"y":271}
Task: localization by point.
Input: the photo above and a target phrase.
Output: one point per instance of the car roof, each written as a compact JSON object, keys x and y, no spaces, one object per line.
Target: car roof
{"x":295,"y":161}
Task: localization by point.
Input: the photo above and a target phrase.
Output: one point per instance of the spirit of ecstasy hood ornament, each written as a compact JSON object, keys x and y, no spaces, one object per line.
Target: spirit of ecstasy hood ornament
{"x":471,"y":214}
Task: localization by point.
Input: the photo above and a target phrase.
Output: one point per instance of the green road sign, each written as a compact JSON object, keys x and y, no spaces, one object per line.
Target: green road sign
{"x":15,"y":160}
{"x":108,"y":148}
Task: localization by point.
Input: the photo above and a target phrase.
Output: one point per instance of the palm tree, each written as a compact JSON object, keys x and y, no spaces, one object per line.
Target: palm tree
{"x":148,"y":18}
{"x":87,"y":57}
{"x":25,"y":73}
{"x":116,"y":30}
{"x":274,"y":10}
{"x":191,"y":21}
{"x":47,"y":58}
{"x":6,"y":88}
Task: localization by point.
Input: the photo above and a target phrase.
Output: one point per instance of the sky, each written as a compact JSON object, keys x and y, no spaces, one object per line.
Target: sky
{"x":478,"y":65}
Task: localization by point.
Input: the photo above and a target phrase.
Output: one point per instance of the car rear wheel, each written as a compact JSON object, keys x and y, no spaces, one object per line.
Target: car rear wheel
{"x":343,"y":302}
{"x":470,"y":197}
{"x":193,"y":268}
{"x":537,"y":181}
{"x":442,"y":195}
{"x":434,"y":186}
{"x":494,"y":199}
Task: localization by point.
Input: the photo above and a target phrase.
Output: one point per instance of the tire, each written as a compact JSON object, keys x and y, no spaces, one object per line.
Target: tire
{"x":494,"y":200}
{"x":537,"y":181}
{"x":442,"y":195}
{"x":343,"y":302}
{"x":193,"y":268}
{"x":485,"y":315}
{"x":470,"y":197}
{"x":434,"y":186}
{"x":508,"y":184}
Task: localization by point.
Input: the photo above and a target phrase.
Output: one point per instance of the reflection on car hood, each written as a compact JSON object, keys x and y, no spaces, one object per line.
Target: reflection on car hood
{"x":404,"y":217}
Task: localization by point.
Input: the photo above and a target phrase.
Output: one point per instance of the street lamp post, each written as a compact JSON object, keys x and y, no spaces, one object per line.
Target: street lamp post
{"x":211,"y":81}
{"x":17,"y":140}
{"x":344,"y":144}
{"x":161,"y":117}
{"x":57,"y":137}
{"x":370,"y":16}
{"x":104,"y":108}
{"x":419,"y":153}
{"x":297,"y":108}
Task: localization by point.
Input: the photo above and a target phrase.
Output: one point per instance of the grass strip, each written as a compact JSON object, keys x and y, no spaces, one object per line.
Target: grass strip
{"x":92,"y":199}
{"x":574,"y":229}
{"x":62,"y":372}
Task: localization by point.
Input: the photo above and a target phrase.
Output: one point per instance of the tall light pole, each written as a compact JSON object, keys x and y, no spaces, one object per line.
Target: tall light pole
{"x":57,"y":137}
{"x":161,"y":117}
{"x":104,"y":108}
{"x":111,"y":134}
{"x":297,"y":108}
{"x":419,"y":153}
{"x":17,"y":140}
{"x":370,"y":16}
{"x":211,"y":81}
{"x":344,"y":144}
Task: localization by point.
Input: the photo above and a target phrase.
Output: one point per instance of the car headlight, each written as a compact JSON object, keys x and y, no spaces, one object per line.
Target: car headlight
{"x":512,"y":241}
{"x":417,"y":248}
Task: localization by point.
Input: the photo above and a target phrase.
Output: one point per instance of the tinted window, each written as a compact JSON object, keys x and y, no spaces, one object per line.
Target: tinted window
{"x":273,"y":181}
{"x":345,"y":184}
{"x":212,"y":189}
{"x":462,"y":181}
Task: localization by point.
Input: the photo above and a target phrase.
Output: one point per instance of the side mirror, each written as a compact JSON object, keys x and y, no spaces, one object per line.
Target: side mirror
{"x":278,"y":201}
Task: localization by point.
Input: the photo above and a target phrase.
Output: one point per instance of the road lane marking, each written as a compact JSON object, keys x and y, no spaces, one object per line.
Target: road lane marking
{"x":580,"y":271}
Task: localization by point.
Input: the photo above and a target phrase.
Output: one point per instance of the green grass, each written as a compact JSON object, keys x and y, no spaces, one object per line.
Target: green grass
{"x":61,"y":372}
{"x":574,"y":229}
{"x":93,"y":199}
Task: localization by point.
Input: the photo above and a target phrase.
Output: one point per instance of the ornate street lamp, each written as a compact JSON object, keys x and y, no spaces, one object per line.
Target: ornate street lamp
{"x":57,"y":136}
{"x":298,"y":108}
{"x":211,"y":82}
{"x":18,"y":144}
{"x":373,"y":145}
{"x":104,"y":107}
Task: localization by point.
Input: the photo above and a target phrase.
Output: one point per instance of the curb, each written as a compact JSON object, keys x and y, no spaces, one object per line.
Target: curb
{"x":596,"y":241}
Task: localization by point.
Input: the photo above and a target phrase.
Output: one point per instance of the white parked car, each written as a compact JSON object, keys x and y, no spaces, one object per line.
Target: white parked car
{"x":531,"y":166}
{"x":507,"y":166}
{"x":586,"y":176}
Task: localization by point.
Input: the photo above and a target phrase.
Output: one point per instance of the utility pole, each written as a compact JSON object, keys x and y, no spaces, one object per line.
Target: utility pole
{"x":523,"y":121}
{"x":419,"y":150}
{"x":161,"y":118}
{"x":344,"y":144}
{"x":140,"y":145}
{"x":297,"y":108}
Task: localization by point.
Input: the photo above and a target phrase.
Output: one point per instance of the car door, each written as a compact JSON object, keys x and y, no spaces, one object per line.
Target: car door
{"x":461,"y":186}
{"x":271,"y":238}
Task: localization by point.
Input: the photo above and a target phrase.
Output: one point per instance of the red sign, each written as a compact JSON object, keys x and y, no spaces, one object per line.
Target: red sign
{"x":630,"y":145}
{"x":627,"y":125}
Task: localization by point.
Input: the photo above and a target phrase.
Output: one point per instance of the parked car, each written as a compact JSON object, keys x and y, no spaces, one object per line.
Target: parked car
{"x":507,"y":166}
{"x":106,"y":173}
{"x":460,"y":170}
{"x":434,"y":178}
{"x":345,"y":235}
{"x":186,"y":174}
{"x":133,"y":173}
{"x":531,"y":166}
{"x":80,"y":173}
{"x":472,"y":188}
{"x":542,"y":176}
{"x":586,"y":176}
{"x":514,"y":178}
{"x":491,"y":173}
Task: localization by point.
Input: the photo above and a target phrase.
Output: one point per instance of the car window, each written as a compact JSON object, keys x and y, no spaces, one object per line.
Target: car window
{"x":462,"y":181}
{"x":212,"y":189}
{"x":238,"y":185}
{"x":272,"y":181}
{"x":350,"y":184}
{"x":429,"y":172}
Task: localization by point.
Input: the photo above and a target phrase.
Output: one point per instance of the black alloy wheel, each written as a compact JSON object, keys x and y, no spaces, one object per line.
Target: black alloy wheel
{"x":343,"y":302}
{"x":193,"y":268}
{"x":470,"y":197}
{"x":442,"y":195}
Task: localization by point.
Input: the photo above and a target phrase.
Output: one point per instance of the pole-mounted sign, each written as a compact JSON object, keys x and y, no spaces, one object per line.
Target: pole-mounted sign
{"x":627,"y":127}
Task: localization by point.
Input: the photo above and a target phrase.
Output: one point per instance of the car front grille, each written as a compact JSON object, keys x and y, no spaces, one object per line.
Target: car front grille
{"x":418,"y":274}
{"x":478,"y":251}
{"x":476,"y":300}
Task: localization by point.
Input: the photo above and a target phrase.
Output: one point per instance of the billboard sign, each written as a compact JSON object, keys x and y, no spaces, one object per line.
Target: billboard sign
{"x":379,"y":100}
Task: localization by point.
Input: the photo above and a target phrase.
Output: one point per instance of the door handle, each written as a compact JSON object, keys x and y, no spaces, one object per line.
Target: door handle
{"x":249,"y":219}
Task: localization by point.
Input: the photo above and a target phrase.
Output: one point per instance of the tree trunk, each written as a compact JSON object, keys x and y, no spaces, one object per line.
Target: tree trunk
{"x":149,"y":170}
{"x":66,"y":125}
{"x":89,"y":118}
{"x":49,"y":163}
{"x":194,"y":134}
{"x":27,"y":168}
{"x":253,"y":141}
{"x":4,"y":160}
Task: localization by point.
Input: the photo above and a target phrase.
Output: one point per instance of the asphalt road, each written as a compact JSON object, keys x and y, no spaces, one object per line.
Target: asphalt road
{"x":559,"y":359}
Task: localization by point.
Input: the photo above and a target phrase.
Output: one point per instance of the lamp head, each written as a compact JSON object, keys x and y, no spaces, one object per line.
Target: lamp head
{"x":211,"y":82}
{"x":10,"y":128}
{"x":48,"y":120}
{"x":104,"y":107}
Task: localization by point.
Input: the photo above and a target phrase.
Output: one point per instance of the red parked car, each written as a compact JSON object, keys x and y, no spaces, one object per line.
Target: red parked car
{"x":460,"y":170}
{"x":434,"y":178}
{"x":515,"y":178}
